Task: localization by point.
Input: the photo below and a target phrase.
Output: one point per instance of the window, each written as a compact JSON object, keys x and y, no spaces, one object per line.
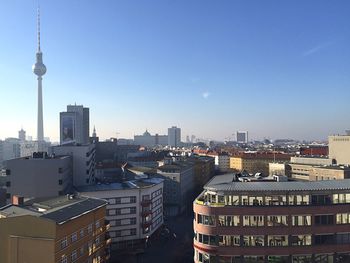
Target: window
{"x":64,"y":243}
{"x":229,"y":241}
{"x":97,"y":240}
{"x":277,"y":221}
{"x":206,"y":220}
{"x":74,"y":237}
{"x":253,"y":220}
{"x":8,"y":184}
{"x":133,"y":199}
{"x":89,"y":229}
{"x":276,"y":200}
{"x":81,"y":251}
{"x":253,"y":241}
{"x":343,"y":238}
{"x":302,"y":220}
{"x":299,"y":200}
{"x":301,"y":240}
{"x":60,"y":170}
{"x":321,"y":199}
{"x":74,"y":256}
{"x":324,"y":220}
{"x":206,"y":239}
{"x":324,"y":239}
{"x":8,"y":172}
{"x":133,"y":231}
{"x":343,"y":218}
{"x":81,"y":233}
{"x":111,"y":201}
{"x":97,"y":224}
{"x":229,"y":221}
{"x":64,"y":259}
{"x":60,"y":182}
{"x":276,"y":241}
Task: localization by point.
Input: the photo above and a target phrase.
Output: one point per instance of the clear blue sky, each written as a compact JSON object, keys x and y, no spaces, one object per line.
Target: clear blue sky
{"x":279,"y":69}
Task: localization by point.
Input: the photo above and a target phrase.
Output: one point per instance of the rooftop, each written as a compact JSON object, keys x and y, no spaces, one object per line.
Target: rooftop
{"x":59,"y":209}
{"x":226,"y":183}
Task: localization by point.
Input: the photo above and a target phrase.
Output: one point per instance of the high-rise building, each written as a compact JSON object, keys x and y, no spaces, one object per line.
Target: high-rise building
{"x":242,"y":136}
{"x":174,"y":136}
{"x":74,"y":125}
{"x":22,"y":135}
{"x":39,"y":69}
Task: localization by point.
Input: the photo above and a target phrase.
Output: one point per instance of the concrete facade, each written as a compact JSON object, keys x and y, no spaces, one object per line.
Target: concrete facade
{"x":39,"y":176}
{"x":174,"y":136}
{"x":339,"y":148}
{"x":83,"y":162}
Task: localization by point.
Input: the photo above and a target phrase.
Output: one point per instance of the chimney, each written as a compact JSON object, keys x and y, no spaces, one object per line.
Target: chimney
{"x":17,"y":200}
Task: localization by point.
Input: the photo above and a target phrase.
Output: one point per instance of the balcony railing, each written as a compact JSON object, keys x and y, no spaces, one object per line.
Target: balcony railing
{"x":107,"y":224}
{"x":108,"y":239}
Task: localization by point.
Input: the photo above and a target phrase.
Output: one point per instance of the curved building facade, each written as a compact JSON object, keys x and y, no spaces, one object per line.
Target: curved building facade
{"x":272,"y":221}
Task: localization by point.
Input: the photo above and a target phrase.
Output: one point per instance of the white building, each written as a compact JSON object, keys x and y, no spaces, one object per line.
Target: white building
{"x":339,"y":148}
{"x":38,"y":176}
{"x":135,"y":209}
{"x":83,"y":158}
{"x":27,"y":148}
{"x":174,"y":136}
{"x":74,"y":125}
{"x":9,"y":149}
{"x":148,"y":140}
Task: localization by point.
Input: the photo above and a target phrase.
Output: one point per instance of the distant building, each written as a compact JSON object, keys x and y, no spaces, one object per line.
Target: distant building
{"x":63,"y":229}
{"x":224,"y":162}
{"x":113,"y":152}
{"x":83,"y":161}
{"x":339,"y":148}
{"x":10,"y":149}
{"x":314,"y":150}
{"x":277,"y":168}
{"x":256,"y":162}
{"x":27,"y":148}
{"x":242,"y":136}
{"x":22,"y":135}
{"x":38,"y":176}
{"x":74,"y":125}
{"x":174,"y":136}
{"x":134,"y":210}
{"x":332,"y":172}
{"x":148,"y":140}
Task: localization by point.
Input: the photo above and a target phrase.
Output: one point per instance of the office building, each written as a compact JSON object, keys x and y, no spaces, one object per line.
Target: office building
{"x":38,"y":176}
{"x":174,"y":136}
{"x":134,"y":209}
{"x":83,"y":161}
{"x":300,"y":167}
{"x":22,"y":135}
{"x":54,"y":230}
{"x":74,"y":125}
{"x":242,"y":136}
{"x":272,"y":221}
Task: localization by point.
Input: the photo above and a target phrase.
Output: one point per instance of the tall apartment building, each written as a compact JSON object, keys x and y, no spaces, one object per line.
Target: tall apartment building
{"x":263,"y":222}
{"x":39,"y":176}
{"x":256,"y":162}
{"x":75,"y":125}
{"x":134,"y":210}
{"x":339,"y":148}
{"x":83,"y":161}
{"x":174,"y":136}
{"x":58,"y":230}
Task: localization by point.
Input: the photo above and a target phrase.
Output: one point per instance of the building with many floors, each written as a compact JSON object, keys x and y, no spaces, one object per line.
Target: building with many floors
{"x":38,"y":176}
{"x":134,"y":209}
{"x":272,"y":221}
{"x":54,"y":230}
{"x":339,"y":148}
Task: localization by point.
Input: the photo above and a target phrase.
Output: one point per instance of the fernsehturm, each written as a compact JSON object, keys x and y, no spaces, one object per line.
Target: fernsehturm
{"x":39,"y":69}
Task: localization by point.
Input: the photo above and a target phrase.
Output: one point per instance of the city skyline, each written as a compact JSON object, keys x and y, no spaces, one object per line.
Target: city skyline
{"x":271,"y":69}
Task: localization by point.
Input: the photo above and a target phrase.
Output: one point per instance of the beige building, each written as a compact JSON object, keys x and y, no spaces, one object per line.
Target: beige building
{"x":301,"y":167}
{"x":256,"y":162}
{"x":58,"y":230}
{"x":329,"y":173}
{"x":339,"y":148}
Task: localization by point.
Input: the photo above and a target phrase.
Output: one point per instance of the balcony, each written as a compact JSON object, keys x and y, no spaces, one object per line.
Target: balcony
{"x":107,"y":224}
{"x":146,"y":224}
{"x":146,"y":202}
{"x":146,"y":212}
{"x":108,"y":239}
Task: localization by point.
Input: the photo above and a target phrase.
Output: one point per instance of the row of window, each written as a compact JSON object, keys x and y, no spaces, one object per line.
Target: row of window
{"x":272,"y":240}
{"x":121,"y":211}
{"x":89,"y":248}
{"x":122,"y":200}
{"x":157,"y":202}
{"x":82,"y":232}
{"x":123,"y":233}
{"x":316,"y":258}
{"x":275,"y":220}
{"x":123,"y":222}
{"x":301,"y":199}
{"x":156,"y":193}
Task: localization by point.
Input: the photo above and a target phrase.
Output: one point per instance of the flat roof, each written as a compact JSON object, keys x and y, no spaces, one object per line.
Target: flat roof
{"x":226,"y":183}
{"x":59,"y":209}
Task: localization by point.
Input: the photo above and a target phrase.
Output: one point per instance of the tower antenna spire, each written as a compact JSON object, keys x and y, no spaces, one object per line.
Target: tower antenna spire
{"x":38,"y":28}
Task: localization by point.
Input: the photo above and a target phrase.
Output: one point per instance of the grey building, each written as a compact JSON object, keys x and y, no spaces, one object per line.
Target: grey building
{"x":38,"y":176}
{"x":242,"y":136}
{"x":83,"y":159}
{"x":178,"y":186}
{"x":174,"y":136}
{"x":75,"y":125}
{"x":113,"y":152}
{"x":148,"y":140}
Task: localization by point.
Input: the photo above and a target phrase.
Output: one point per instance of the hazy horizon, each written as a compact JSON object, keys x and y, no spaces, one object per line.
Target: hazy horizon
{"x":275,"y":69}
